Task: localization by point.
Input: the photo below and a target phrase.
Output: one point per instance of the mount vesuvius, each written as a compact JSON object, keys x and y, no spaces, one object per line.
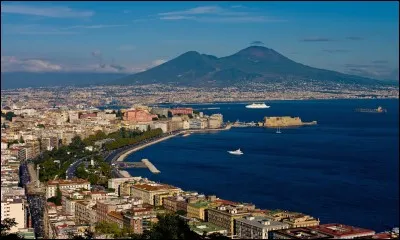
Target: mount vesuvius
{"x":253,"y":64}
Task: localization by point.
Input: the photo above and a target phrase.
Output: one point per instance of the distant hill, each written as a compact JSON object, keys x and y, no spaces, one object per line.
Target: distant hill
{"x":252,"y":64}
{"x":10,"y":80}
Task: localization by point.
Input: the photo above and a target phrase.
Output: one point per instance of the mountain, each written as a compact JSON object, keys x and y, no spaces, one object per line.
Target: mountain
{"x":252,"y":64}
{"x":10,"y":80}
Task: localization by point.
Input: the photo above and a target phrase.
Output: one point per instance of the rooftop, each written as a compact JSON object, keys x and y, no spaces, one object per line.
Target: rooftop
{"x":202,"y":227}
{"x":68,"y":182}
{"x":302,"y":233}
{"x":261,"y":222}
{"x":340,"y":230}
{"x":154,"y":187}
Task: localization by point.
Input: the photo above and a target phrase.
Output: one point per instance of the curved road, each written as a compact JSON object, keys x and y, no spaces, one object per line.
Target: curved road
{"x":72,"y":168}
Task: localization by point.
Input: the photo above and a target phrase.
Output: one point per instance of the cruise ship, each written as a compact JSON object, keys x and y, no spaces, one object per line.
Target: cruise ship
{"x":257,"y":105}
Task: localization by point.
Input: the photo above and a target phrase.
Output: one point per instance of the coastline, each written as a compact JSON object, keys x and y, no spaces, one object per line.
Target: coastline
{"x":125,"y":154}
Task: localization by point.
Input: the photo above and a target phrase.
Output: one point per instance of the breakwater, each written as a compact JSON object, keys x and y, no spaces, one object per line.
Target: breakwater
{"x":151,"y":167}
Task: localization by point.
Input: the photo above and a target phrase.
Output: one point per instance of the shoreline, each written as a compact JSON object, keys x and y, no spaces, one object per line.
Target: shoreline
{"x":123,"y":155}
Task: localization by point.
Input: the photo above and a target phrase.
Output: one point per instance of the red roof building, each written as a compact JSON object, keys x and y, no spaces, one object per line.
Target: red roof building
{"x":340,"y":231}
{"x":183,"y":111}
{"x":138,"y":116}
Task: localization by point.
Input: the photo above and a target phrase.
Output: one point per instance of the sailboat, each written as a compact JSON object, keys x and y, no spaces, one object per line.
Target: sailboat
{"x":278,"y":130}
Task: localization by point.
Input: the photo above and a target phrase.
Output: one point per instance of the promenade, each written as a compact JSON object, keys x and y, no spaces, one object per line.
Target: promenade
{"x":125,"y":154}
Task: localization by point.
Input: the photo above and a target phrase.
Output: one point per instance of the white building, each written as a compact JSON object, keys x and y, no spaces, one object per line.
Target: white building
{"x":14,"y":208}
{"x":257,"y":227}
{"x":51,"y":188}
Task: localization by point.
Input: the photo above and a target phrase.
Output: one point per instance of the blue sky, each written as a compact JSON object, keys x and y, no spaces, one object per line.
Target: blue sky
{"x":352,"y":37}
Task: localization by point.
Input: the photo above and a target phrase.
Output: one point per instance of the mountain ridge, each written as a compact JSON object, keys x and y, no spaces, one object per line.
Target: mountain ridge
{"x":251,"y":64}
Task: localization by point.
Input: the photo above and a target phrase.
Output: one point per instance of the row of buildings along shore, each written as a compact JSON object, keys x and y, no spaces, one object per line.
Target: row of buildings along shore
{"x":32,"y":131}
{"x":132,"y":202}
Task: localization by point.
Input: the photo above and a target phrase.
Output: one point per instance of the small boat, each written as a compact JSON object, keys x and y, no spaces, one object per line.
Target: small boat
{"x":278,"y":130}
{"x":236,"y":152}
{"x":186,"y":134}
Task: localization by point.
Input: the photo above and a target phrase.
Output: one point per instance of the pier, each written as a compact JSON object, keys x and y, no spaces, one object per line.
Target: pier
{"x":151,"y":167}
{"x":126,"y":165}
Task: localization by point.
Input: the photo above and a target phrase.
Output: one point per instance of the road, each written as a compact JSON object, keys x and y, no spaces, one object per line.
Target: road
{"x":72,"y":168}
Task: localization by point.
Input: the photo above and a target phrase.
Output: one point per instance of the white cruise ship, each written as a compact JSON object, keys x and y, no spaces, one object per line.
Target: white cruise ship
{"x":257,"y":105}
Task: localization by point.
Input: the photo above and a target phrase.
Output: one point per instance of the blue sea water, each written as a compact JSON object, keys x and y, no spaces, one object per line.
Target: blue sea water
{"x":345,"y":169}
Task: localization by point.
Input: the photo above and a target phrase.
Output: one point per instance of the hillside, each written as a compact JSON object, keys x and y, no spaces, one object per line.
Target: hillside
{"x":252,"y":64}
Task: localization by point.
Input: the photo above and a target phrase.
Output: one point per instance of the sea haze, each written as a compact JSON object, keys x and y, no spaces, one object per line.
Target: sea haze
{"x":343,"y":170}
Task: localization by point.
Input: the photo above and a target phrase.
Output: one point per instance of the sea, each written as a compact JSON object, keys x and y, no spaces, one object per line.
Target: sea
{"x":343,"y":170}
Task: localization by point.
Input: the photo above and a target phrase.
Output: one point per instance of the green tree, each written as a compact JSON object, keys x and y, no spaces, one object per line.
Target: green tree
{"x":58,"y":196}
{"x":119,"y":114}
{"x":40,"y":126}
{"x":77,"y":144}
{"x":217,"y":236}
{"x":21,"y":140}
{"x":170,"y":226}
{"x":9,"y":116}
{"x":6,"y":226}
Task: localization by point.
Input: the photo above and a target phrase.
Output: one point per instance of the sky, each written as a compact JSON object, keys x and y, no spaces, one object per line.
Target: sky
{"x":360,"y":38}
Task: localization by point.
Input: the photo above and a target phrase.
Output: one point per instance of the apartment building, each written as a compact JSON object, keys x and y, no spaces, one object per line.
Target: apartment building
{"x":257,"y":227}
{"x":301,"y":220}
{"x":73,"y":184}
{"x":147,"y":191}
{"x":15,"y":208}
{"x":224,"y":216}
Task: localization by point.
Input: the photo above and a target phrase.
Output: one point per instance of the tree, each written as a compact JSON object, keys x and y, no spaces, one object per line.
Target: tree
{"x":9,"y":116}
{"x":170,"y":226}
{"x":181,"y":212}
{"x":40,"y":126}
{"x":6,"y":226}
{"x":58,"y":196}
{"x":217,"y":236}
{"x":21,"y":140}
{"x":119,"y":114}
{"x":77,"y":144}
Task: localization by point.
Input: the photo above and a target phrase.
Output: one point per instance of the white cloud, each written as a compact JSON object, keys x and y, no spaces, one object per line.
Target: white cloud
{"x":99,"y":26}
{"x":12,"y":64}
{"x":217,"y":14}
{"x":176,"y":17}
{"x":15,"y":64}
{"x":158,"y":62}
{"x":34,"y":29}
{"x":54,"y":12}
{"x":195,"y":11}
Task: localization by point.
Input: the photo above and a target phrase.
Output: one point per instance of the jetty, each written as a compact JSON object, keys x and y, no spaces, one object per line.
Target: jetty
{"x":151,"y":167}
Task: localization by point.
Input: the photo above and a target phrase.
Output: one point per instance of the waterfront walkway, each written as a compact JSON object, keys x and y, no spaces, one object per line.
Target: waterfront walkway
{"x":135,"y":149}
